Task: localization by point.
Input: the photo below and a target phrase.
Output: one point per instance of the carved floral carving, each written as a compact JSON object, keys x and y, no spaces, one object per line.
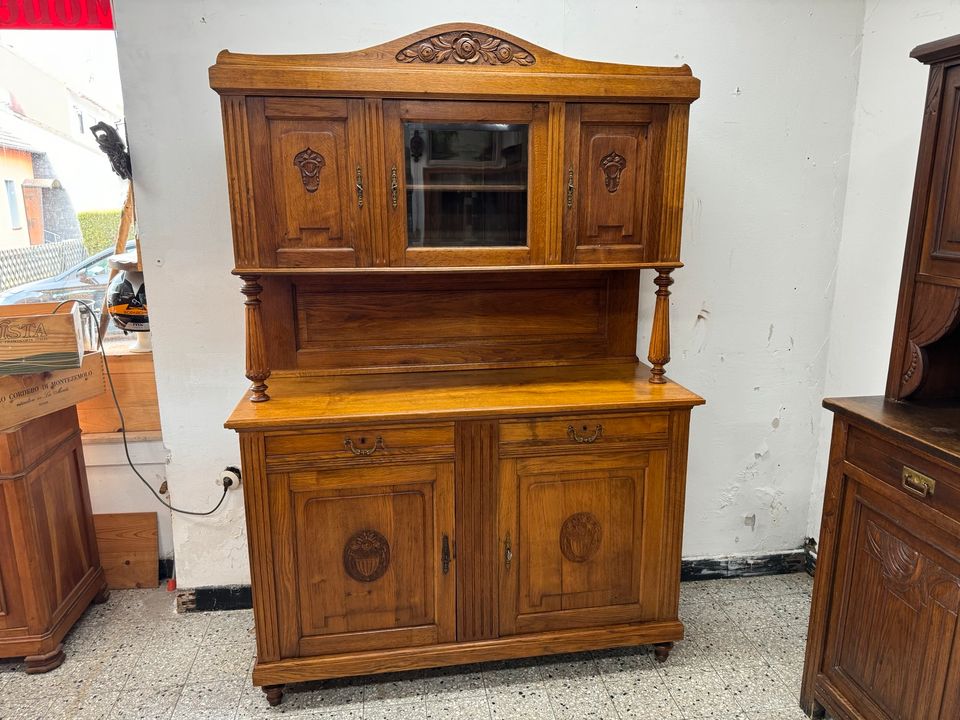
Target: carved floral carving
{"x":467,"y":47}
{"x":366,"y":556}
{"x":309,"y":163}
{"x":580,"y":537}
{"x":612,"y":165}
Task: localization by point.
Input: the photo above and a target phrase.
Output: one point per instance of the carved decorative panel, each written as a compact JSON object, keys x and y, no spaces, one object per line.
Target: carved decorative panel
{"x":465,"y":46}
{"x":612,"y":164}
{"x":366,"y":556}
{"x":309,"y":163}
{"x":580,"y":537}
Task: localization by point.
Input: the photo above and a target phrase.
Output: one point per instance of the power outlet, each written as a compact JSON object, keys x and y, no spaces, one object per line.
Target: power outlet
{"x":229,"y":477}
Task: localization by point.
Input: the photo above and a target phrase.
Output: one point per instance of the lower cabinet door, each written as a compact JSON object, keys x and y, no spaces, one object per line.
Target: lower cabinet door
{"x":582,"y":539}
{"x":893,"y":649}
{"x":363,"y":558}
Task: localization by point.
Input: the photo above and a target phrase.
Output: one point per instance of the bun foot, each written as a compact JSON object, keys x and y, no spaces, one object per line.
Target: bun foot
{"x":101,"y":597}
{"x":37,"y":664}
{"x":661,"y":651}
{"x":274,"y":694}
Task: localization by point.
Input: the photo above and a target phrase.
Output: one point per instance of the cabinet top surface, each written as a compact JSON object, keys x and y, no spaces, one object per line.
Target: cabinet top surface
{"x":932,"y":427}
{"x":456,"y":59}
{"x":300,"y":402}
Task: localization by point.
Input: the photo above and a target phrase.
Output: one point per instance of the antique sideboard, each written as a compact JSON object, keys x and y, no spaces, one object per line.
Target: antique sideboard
{"x":450,"y":450}
{"x":884,"y":641}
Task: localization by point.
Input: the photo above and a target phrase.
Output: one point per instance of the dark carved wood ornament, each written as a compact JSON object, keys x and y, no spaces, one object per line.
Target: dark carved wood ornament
{"x":309,"y":163}
{"x":465,"y":46}
{"x":366,"y":556}
{"x":580,"y":537}
{"x":612,"y":165}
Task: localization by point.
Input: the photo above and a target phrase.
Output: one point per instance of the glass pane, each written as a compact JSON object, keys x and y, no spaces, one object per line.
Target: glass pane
{"x":466,"y":184}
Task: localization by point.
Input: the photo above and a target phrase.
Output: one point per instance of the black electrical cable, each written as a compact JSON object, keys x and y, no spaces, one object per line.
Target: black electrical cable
{"x":123,"y":429}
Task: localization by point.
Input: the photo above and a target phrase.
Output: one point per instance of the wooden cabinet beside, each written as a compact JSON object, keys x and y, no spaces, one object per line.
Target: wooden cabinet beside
{"x":460,"y":457}
{"x":883,"y":642}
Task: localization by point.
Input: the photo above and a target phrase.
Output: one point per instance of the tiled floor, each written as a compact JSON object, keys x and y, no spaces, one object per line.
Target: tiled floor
{"x":134,"y":657}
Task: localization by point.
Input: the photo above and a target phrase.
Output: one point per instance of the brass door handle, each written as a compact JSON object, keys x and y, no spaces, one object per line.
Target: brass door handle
{"x":507,"y":552}
{"x":916,"y":483}
{"x":363,"y":452}
{"x":359,"y":187}
{"x":574,"y":435}
{"x":570,"y":187}
{"x":445,"y":554}
{"x":394,"y":187}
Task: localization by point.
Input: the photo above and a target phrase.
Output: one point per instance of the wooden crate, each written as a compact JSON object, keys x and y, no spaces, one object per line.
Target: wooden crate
{"x":128,"y":549}
{"x":25,"y":397}
{"x":35,"y":339}
{"x":136,"y":386}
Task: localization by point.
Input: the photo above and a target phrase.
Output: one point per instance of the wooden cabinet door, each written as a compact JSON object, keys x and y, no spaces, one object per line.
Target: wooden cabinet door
{"x":468,"y":182}
{"x":311,"y":182}
{"x":363,"y":558}
{"x":893,"y":648}
{"x":613,"y":156}
{"x":582,"y":536}
{"x":941,"y":232}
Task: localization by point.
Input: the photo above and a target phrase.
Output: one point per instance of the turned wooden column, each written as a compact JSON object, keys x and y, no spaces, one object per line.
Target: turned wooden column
{"x":257,"y":370}
{"x":660,"y":334}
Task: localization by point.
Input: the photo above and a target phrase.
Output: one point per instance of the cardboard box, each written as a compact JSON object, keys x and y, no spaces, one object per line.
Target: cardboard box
{"x":35,"y":339}
{"x":25,"y":397}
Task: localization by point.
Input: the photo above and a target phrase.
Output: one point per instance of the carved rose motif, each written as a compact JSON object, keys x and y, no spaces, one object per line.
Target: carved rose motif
{"x":309,"y":163}
{"x":366,"y":556}
{"x":612,"y":164}
{"x":580,"y":537}
{"x":466,"y":47}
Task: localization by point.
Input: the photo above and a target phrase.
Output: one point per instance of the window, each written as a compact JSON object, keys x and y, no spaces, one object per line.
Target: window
{"x":15,"y":220}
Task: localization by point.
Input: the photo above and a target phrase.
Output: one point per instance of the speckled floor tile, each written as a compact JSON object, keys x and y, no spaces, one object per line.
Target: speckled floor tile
{"x":396,"y":711}
{"x":528,"y":703}
{"x":757,"y":688}
{"x":226,"y":661}
{"x":460,"y":681}
{"x":55,"y":682}
{"x":234,"y":626}
{"x":13,"y":707}
{"x":457,"y":707}
{"x":393,"y":689}
{"x":166,"y":665}
{"x":789,"y":712}
{"x":209,"y":701}
{"x":727,"y":648}
{"x":330,"y":696}
{"x":500,"y":678}
{"x":702,"y":694}
{"x":643,"y":698}
{"x":779,"y":645}
{"x":146,"y":704}
{"x":575,"y":697}
{"x":791,"y":609}
{"x":750,"y":613}
{"x":83,"y":705}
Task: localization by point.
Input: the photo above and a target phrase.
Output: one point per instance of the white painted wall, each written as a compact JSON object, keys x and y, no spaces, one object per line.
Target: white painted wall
{"x":883,"y":158}
{"x":765,"y":191}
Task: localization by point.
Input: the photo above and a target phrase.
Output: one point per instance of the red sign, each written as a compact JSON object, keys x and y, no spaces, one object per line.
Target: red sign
{"x":56,"y":15}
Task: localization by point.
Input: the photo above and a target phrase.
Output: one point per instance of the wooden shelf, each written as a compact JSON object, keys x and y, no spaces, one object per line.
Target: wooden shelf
{"x":466,"y":187}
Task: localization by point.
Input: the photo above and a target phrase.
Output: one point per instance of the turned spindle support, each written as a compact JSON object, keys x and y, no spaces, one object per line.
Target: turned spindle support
{"x":274,"y":694}
{"x":661,"y":651}
{"x":660,"y":334}
{"x":257,"y":370}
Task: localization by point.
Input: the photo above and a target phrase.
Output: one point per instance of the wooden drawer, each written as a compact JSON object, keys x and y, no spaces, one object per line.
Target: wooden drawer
{"x":888,"y":462}
{"x":359,"y":443}
{"x":580,"y":432}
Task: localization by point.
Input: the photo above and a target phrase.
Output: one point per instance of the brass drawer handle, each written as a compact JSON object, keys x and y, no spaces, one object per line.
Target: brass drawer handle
{"x":507,"y":552}
{"x":916,"y":483}
{"x":445,"y":554}
{"x":597,"y":434}
{"x":394,"y":187}
{"x":359,"y":187}
{"x":570,"y":187}
{"x":364,"y":452}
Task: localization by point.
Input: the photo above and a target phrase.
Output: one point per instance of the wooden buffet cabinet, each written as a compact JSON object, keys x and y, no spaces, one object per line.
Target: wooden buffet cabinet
{"x":458,"y":457}
{"x":884,"y":641}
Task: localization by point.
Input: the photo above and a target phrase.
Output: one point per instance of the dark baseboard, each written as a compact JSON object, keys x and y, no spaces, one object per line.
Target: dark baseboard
{"x":221,"y":597}
{"x":743,"y":566}
{"x":166,"y":569}
{"x":237,"y":597}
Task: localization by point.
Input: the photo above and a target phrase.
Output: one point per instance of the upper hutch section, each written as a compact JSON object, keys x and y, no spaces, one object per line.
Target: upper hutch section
{"x":459,"y":146}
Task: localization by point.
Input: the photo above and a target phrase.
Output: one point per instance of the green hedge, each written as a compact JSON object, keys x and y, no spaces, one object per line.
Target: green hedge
{"x":99,"y":229}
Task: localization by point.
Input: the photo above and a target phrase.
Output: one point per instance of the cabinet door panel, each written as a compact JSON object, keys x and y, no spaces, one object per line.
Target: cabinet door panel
{"x":893,"y":626}
{"x":361,"y":563}
{"x":308,"y":167}
{"x":613,"y":153}
{"x":941,"y":237}
{"x":585,"y":532}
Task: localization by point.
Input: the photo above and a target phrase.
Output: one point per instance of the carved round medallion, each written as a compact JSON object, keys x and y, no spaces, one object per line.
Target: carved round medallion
{"x":366,"y":556}
{"x":580,"y":537}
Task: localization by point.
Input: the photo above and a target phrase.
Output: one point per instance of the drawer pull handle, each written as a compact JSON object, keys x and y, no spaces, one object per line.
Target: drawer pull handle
{"x":363,"y":452}
{"x":570,"y":187}
{"x":916,"y":483}
{"x":445,"y":554}
{"x":574,"y":435}
{"x":359,"y":187}
{"x":507,"y":552}
{"x":394,"y":187}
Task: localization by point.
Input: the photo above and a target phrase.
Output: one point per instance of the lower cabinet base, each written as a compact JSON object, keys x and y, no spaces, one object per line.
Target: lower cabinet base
{"x":270,"y":675}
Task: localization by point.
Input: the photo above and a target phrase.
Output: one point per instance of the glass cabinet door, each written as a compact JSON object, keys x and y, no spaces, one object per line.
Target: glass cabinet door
{"x":464,"y":182}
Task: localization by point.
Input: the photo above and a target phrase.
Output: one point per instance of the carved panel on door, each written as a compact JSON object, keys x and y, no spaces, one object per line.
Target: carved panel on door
{"x":941,"y":243}
{"x":902,"y":602}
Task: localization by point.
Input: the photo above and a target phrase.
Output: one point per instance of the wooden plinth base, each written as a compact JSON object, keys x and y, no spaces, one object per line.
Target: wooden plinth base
{"x":37,"y":664}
